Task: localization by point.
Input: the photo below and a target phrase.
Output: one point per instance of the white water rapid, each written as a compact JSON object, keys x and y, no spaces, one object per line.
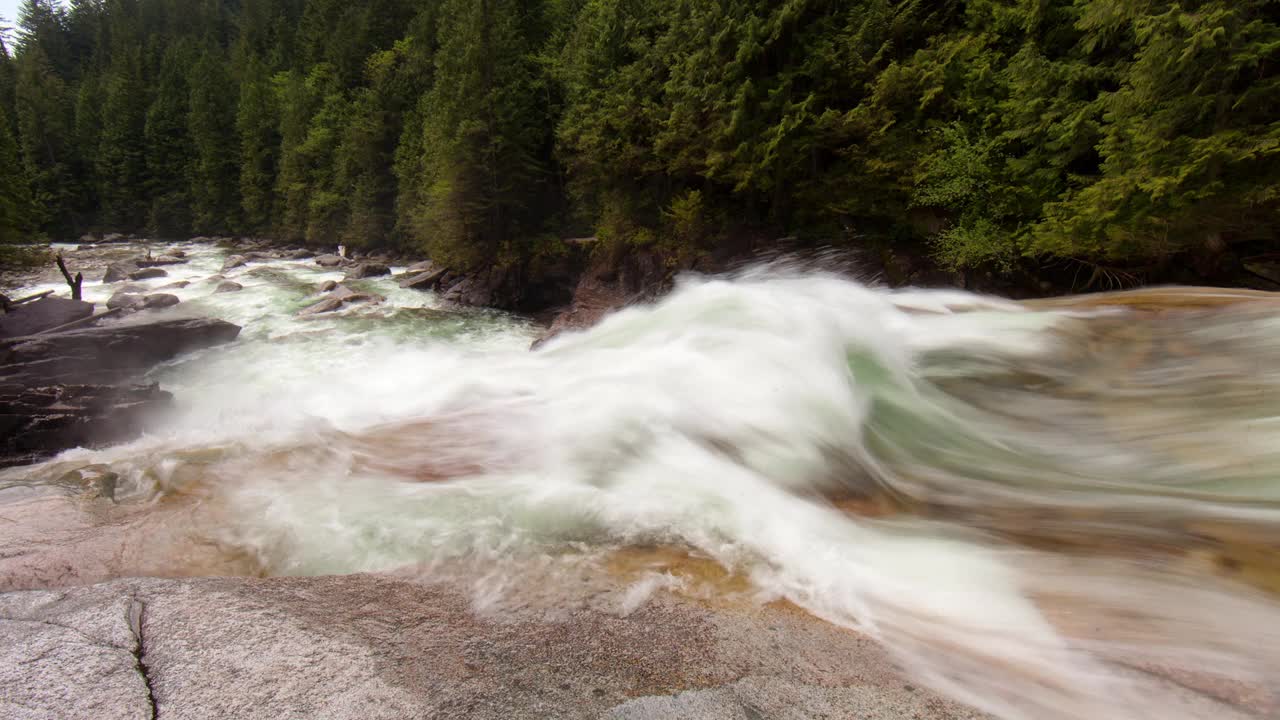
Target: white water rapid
{"x":1033,"y":507}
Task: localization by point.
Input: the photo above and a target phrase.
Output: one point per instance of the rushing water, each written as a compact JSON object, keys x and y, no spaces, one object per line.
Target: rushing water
{"x":1023,"y":502}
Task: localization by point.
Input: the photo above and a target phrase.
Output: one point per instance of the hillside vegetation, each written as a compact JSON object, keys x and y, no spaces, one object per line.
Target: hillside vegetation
{"x":992,"y":134}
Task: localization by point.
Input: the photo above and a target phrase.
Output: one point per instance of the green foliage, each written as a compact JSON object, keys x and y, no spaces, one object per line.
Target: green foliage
{"x":17,"y":220}
{"x":211,"y":125}
{"x":258,"y":135}
{"x":478,"y":129}
{"x":169,"y":155}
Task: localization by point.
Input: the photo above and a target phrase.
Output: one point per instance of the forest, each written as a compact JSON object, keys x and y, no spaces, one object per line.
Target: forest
{"x":991,"y":133}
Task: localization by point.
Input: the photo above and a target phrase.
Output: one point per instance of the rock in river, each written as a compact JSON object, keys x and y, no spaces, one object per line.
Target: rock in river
{"x":124,"y":299}
{"x":57,"y":390}
{"x":148,"y":273}
{"x":426,"y":280}
{"x":36,"y":422}
{"x":330,"y":260}
{"x":367,"y":270}
{"x":233,"y":262}
{"x":43,"y":314}
{"x":228,"y":286}
{"x":105,"y":354}
{"x":160,"y":300}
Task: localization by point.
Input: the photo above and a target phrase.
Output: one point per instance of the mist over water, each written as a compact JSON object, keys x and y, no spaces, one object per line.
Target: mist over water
{"x":1031,"y":505}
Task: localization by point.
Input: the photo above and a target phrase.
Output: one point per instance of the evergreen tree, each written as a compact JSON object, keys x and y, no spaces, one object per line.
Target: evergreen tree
{"x":257,"y":125}
{"x":16,"y":212}
{"x":121,"y":159}
{"x":169,"y":149}
{"x":211,"y":125}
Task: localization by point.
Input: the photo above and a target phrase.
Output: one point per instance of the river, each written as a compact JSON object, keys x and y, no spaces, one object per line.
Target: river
{"x":1014,"y":499}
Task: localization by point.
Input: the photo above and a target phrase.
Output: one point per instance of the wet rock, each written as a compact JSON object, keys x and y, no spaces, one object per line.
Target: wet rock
{"x":420,"y":267}
{"x":426,"y":280}
{"x":228,"y":286}
{"x":160,"y":300}
{"x":1269,"y":271}
{"x":160,"y":261}
{"x":119,"y":271}
{"x":330,"y":261}
{"x":175,"y":285}
{"x":38,"y":422}
{"x":177,"y":253}
{"x":324,"y":306}
{"x":105,"y":354}
{"x":43,"y":314}
{"x":234,"y":262}
{"x":215,"y":278}
{"x":339,"y":297}
{"x":124,"y":299}
{"x":367,"y":270}
{"x":328,"y":285}
{"x":148,"y":273}
{"x":300,"y":254}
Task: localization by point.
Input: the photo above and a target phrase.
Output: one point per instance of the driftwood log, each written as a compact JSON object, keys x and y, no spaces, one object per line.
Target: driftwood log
{"x":73,"y":283}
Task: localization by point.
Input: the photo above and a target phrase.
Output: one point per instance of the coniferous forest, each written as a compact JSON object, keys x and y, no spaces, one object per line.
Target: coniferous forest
{"x":991,"y":132}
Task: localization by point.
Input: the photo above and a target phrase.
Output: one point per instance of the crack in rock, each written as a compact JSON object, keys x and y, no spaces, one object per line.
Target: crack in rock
{"x":136,"y":610}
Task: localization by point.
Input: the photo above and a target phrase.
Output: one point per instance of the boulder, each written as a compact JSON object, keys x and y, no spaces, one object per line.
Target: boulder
{"x":330,"y":261}
{"x":175,"y":285}
{"x":148,"y":273}
{"x":215,"y":278}
{"x":124,"y":299}
{"x":233,"y":262}
{"x":227,"y":286}
{"x":420,"y":267}
{"x":38,"y":422}
{"x":339,"y":297}
{"x":106,"y":354}
{"x":426,"y":280}
{"x":341,"y":291}
{"x":120,"y":271}
{"x":301,"y":254}
{"x":324,"y":306}
{"x":367,"y":270}
{"x":160,"y":261}
{"x":328,"y":285}
{"x":177,"y":254}
{"x":160,"y":300}
{"x":43,"y":314}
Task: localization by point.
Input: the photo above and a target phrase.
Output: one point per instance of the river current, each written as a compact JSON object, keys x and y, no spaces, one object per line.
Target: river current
{"x":1029,"y":504}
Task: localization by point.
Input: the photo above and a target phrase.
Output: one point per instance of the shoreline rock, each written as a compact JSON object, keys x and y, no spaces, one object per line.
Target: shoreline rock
{"x":72,"y":388}
{"x":41,"y":315}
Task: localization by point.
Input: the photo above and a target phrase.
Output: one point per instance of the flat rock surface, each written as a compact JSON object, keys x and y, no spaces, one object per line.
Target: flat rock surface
{"x":107,"y":353}
{"x":369,"y":646}
{"x":43,"y":314}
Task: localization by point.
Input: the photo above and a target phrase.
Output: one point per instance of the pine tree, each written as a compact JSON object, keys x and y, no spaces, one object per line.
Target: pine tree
{"x":121,"y":159}
{"x":211,"y":125}
{"x":16,"y":212}
{"x":257,"y":126}
{"x":169,"y":149}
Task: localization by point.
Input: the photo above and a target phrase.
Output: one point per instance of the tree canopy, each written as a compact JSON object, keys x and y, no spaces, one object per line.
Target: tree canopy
{"x":993,"y":132}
